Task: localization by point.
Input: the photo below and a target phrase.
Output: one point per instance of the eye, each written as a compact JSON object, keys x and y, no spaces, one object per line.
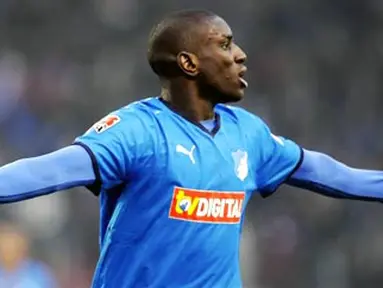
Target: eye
{"x":226,"y":45}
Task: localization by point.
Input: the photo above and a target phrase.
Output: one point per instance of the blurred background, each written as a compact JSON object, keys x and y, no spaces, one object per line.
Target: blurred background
{"x":315,"y":70}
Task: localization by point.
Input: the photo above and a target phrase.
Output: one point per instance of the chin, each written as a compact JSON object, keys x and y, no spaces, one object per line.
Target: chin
{"x":224,"y":96}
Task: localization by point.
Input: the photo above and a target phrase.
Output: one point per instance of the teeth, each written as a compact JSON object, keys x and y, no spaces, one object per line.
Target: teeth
{"x":244,"y":82}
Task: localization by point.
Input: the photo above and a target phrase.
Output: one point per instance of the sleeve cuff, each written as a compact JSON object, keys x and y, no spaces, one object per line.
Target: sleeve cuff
{"x":268,"y":192}
{"x":95,"y":188}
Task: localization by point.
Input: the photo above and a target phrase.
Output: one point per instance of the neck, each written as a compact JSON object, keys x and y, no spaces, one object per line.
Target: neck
{"x":186,"y":99}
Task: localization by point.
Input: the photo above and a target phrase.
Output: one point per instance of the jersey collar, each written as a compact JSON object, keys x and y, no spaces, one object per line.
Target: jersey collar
{"x":217,"y":118}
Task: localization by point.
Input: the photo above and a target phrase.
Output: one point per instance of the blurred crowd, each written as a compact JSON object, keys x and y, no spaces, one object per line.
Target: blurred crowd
{"x":315,"y":69}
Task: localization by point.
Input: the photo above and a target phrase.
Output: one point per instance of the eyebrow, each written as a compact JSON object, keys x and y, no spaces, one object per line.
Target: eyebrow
{"x":228,"y":37}
{"x":219,"y":36}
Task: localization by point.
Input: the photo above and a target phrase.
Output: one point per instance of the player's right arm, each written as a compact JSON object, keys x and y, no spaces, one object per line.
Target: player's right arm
{"x":28,"y":178}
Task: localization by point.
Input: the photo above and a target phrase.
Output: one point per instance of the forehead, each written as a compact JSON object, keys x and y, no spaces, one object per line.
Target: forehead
{"x":216,"y":28}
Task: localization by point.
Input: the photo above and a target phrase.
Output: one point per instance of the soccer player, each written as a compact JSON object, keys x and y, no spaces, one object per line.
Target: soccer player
{"x":174,"y":173}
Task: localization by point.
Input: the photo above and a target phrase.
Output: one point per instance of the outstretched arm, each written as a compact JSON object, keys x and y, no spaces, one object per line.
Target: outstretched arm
{"x":28,"y":178}
{"x":322,"y":174}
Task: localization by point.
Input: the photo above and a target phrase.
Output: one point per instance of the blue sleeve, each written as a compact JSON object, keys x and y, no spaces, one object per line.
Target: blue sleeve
{"x":113,"y":143}
{"x":322,"y":174}
{"x":280,"y":158}
{"x":28,"y":178}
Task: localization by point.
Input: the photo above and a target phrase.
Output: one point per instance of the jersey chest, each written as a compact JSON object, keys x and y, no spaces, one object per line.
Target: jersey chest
{"x":192,"y":158}
{"x":191,"y":175}
{"x":201,"y":178}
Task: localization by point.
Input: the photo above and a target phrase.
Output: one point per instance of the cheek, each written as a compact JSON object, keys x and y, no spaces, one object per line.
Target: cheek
{"x":228,"y":68}
{"x":227,"y":61}
{"x":218,"y":70}
{"x":220,"y":61}
{"x":221,"y":70}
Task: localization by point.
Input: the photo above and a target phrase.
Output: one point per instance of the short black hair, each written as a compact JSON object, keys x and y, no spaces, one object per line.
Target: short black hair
{"x":175,"y":33}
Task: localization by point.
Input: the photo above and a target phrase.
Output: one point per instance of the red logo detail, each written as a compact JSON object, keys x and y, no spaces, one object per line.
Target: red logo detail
{"x":106,"y":123}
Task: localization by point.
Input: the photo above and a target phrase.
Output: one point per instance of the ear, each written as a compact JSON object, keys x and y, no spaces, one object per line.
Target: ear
{"x":188,"y":63}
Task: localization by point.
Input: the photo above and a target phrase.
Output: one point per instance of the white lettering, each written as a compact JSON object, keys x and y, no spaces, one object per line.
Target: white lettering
{"x":216,"y":207}
{"x":222,"y":210}
{"x":237,"y":209}
{"x":219,"y":208}
{"x":230,"y":203}
{"x":203,"y":206}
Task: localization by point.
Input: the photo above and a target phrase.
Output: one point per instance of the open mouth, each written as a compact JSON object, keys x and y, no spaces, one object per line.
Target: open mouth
{"x":244,"y":83}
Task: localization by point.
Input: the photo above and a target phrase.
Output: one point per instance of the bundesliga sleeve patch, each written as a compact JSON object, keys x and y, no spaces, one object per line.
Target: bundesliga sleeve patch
{"x":106,"y":123}
{"x":206,"y":206}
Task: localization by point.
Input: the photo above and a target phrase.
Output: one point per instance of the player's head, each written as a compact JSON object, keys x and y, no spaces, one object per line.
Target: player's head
{"x":198,"y":46}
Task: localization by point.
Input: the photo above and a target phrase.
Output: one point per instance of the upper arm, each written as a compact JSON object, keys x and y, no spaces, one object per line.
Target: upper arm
{"x":114,"y":144}
{"x":279,"y":159}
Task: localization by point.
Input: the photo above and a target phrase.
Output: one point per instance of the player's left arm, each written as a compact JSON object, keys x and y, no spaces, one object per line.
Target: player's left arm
{"x":323,"y":174}
{"x":287,"y":163}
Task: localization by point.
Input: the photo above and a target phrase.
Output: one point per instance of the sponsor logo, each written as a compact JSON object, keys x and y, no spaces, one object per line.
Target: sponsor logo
{"x":183,"y":150}
{"x":215,"y":207}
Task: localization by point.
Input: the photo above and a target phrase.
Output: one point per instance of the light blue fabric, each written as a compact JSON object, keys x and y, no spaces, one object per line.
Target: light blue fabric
{"x":32,"y":177}
{"x":162,"y":178}
{"x":325,"y":175}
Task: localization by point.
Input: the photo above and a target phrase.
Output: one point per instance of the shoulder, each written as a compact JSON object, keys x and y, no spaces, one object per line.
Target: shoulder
{"x":133,"y":117}
{"x":132,"y":127}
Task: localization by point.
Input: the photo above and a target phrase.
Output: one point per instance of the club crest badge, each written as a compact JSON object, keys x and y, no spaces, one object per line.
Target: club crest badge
{"x":241,"y":167}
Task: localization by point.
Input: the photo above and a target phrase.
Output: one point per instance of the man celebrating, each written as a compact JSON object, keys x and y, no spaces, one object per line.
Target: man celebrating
{"x":174,"y":173}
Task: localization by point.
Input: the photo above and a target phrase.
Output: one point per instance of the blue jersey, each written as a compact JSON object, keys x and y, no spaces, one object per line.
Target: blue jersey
{"x":173,"y":194}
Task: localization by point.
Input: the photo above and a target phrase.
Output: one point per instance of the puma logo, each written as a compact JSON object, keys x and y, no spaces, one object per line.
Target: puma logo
{"x":183,"y":150}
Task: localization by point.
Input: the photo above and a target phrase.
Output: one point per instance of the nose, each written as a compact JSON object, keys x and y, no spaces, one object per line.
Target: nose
{"x":240,"y":55}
